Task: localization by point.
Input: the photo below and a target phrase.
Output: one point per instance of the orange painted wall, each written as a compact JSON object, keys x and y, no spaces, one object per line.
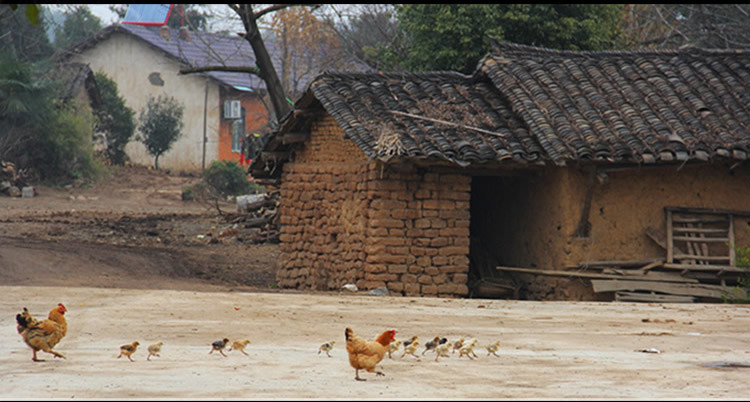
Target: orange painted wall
{"x":256,"y":116}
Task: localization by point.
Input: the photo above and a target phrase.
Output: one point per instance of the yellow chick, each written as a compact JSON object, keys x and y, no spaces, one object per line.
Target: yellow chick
{"x":326,"y":347}
{"x":153,"y":350}
{"x":468,"y":349}
{"x":393,"y":347}
{"x":127,"y":350}
{"x":411,"y":349}
{"x":240,"y":345}
{"x":492,"y":348}
{"x":443,"y":350}
{"x":457,"y":345}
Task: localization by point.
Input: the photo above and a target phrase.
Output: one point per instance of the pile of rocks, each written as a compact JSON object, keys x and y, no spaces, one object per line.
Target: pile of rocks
{"x":13,"y":181}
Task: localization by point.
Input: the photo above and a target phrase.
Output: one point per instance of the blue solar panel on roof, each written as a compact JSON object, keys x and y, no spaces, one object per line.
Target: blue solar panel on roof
{"x":147,"y":14}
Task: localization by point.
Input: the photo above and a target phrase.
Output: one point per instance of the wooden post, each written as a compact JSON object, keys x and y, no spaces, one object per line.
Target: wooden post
{"x":730,"y":235}
{"x":584,"y":226}
{"x":670,"y":240}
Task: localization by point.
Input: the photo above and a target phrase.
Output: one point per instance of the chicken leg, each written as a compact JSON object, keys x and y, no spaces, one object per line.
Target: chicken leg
{"x":56,"y":354}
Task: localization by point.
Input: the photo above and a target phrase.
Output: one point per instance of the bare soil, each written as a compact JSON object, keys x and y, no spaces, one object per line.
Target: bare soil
{"x":132,"y":261}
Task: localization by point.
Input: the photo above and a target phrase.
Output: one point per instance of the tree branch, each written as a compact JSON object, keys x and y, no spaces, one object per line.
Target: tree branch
{"x":277,"y":7}
{"x":226,"y":69}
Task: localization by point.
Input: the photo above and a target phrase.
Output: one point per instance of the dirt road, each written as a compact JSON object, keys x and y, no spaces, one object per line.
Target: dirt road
{"x":126,"y":259}
{"x":549,"y":350}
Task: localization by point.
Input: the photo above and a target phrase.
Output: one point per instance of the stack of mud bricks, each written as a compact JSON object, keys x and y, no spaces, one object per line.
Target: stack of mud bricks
{"x":345,"y":219}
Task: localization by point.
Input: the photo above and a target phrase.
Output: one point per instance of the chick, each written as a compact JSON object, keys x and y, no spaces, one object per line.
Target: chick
{"x":468,"y":349}
{"x":393,"y":347}
{"x":128,"y":350}
{"x":326,"y":347}
{"x":219,"y":345}
{"x":153,"y":350}
{"x":442,"y":350}
{"x":240,"y":345}
{"x":409,"y":341}
{"x":431,"y":345}
{"x":411,"y":349}
{"x":492,"y":348}
{"x":457,"y":345}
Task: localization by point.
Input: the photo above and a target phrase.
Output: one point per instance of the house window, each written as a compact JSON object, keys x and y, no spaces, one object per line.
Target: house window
{"x":238,"y":131}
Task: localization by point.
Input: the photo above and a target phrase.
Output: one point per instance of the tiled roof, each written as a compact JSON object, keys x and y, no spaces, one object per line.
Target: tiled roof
{"x":526,"y":104}
{"x":637,"y":106}
{"x":441,"y":115}
{"x":205,"y":49}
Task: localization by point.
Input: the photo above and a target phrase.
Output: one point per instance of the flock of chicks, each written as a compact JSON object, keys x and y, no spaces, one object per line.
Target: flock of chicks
{"x":440,"y":346}
{"x":155,"y":349}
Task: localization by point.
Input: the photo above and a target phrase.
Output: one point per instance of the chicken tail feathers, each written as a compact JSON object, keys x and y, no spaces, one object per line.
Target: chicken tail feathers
{"x":348,"y":333}
{"x":24,"y":319}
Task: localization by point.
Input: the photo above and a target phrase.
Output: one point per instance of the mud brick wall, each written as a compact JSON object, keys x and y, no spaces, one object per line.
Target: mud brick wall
{"x":349,"y":220}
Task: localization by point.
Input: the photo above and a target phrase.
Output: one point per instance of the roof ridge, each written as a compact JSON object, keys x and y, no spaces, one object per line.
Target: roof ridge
{"x":501,"y":47}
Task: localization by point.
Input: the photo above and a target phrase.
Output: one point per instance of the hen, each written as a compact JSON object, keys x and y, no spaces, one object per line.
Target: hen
{"x":365,"y":355}
{"x":43,"y":335}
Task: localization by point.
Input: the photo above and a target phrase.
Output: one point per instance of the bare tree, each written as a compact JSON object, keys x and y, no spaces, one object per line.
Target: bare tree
{"x":264,"y":67}
{"x":674,"y":25}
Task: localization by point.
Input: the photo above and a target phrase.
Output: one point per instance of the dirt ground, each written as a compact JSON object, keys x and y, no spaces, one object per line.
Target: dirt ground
{"x":132,"y":261}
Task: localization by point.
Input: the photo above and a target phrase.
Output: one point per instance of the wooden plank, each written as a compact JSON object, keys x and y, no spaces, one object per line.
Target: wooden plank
{"x":697,"y":257}
{"x":652,"y":298}
{"x":678,"y":219}
{"x":732,"y":252}
{"x":586,"y":275}
{"x":700,"y":230}
{"x":644,"y":269}
{"x":697,"y":290}
{"x":701,"y":239}
{"x":707,"y":211}
{"x":670,"y":242}
{"x":719,"y":268}
{"x":619,"y":263}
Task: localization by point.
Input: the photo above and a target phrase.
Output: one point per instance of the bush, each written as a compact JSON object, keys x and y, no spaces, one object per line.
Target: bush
{"x":66,"y":150}
{"x":161,"y":125}
{"x":226,"y":178}
{"x":115,"y":120}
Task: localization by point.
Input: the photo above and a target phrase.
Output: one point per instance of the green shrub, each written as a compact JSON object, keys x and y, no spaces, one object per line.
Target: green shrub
{"x":741,"y":292}
{"x":226,"y":178}
{"x":187,"y":194}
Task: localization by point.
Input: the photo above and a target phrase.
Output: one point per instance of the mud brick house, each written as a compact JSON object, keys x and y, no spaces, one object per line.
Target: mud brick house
{"x":547,"y":164}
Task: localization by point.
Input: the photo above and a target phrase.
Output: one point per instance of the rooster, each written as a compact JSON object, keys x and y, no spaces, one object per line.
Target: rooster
{"x":43,"y":335}
{"x":365,"y":355}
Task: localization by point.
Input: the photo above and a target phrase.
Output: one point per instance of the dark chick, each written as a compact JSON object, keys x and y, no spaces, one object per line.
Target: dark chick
{"x":431,"y":344}
{"x":219,"y":346}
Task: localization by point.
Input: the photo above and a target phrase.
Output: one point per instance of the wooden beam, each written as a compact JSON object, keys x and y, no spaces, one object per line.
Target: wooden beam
{"x":276,"y":156}
{"x":586,"y":275}
{"x":619,"y":263}
{"x":670,"y":242}
{"x":711,"y":211}
{"x":584,"y":226}
{"x":294,"y":138}
{"x":652,"y":298}
{"x":697,"y":290}
{"x":689,"y":267}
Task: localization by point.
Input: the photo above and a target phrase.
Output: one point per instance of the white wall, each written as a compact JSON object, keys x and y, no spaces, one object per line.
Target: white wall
{"x":129,"y":62}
